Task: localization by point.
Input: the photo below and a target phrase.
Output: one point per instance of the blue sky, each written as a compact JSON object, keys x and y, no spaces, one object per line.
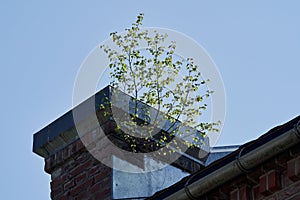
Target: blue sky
{"x":255,"y":45}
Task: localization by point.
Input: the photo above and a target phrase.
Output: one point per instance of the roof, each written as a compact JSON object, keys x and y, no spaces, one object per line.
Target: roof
{"x":274,"y":135}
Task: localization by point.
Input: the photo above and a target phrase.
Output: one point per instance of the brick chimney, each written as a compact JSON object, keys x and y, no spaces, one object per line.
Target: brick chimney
{"x":77,"y":174}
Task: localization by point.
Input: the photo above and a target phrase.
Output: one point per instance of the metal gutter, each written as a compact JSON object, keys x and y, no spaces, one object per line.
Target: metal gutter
{"x":238,"y":162}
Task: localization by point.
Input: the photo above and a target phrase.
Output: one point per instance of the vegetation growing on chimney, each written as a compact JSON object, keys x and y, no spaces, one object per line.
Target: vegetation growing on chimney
{"x":158,"y":77}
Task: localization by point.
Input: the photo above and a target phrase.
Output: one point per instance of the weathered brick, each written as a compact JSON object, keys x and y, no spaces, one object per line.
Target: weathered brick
{"x":241,"y":193}
{"x":79,"y":145}
{"x":80,"y":168}
{"x":293,"y":169}
{"x":269,"y":183}
{"x":69,"y":184}
{"x":245,"y":193}
{"x":47,"y":166}
{"x":66,"y":153}
{"x":274,"y":181}
{"x":256,"y":193}
{"x":57,"y":173}
{"x":95,"y":169}
{"x":55,"y":192}
{"x":95,"y":188}
{"x":57,"y":182}
{"x":63,"y":197}
{"x":103,"y":174}
{"x":79,"y":188}
{"x":291,"y":192}
{"x":234,"y":195}
{"x":59,"y":157}
{"x":82,"y":196}
{"x":80,"y":178}
{"x":103,"y":194}
{"x":50,"y":163}
{"x":263,"y":185}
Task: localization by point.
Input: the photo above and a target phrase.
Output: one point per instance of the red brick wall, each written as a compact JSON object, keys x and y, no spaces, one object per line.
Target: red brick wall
{"x":75,"y":174}
{"x":277,"y":179}
{"x":272,"y":185}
